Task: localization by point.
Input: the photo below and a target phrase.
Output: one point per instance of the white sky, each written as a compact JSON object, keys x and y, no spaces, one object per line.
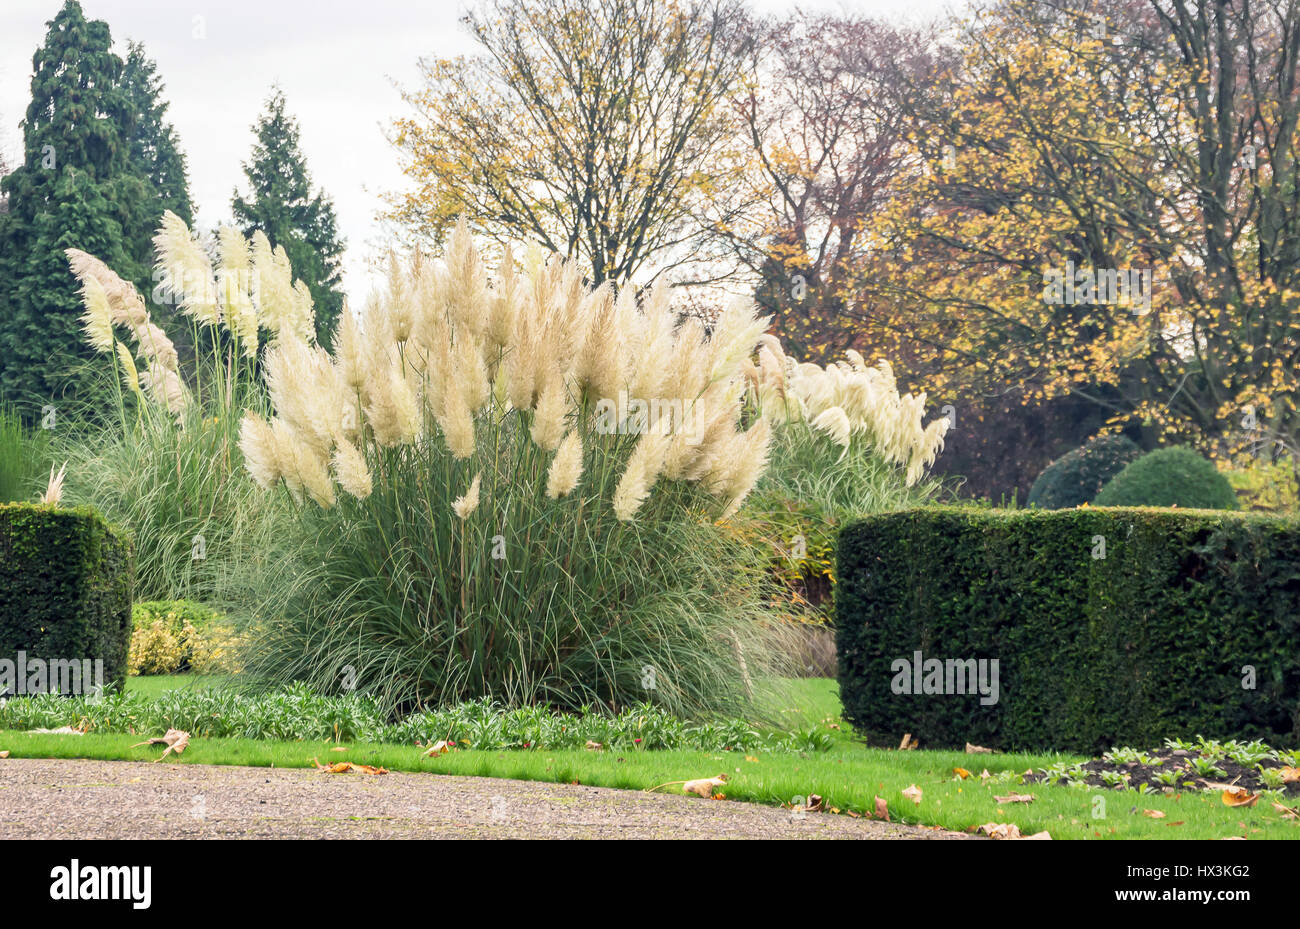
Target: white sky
{"x":336,"y":61}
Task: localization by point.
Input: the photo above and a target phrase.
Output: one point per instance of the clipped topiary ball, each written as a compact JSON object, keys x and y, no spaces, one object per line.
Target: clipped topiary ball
{"x":1170,"y":477}
{"x":1078,"y":476}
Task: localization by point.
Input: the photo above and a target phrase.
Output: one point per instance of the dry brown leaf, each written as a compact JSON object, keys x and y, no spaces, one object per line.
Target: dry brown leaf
{"x":1015,"y":798}
{"x":814,"y":803}
{"x":1038,"y":835}
{"x":594,"y":746}
{"x":882,"y":809}
{"x":343,"y":767}
{"x":977,"y":750}
{"x":908,"y":743}
{"x":62,"y":730}
{"x":704,"y":786}
{"x":1154,"y":814}
{"x":961,"y":773}
{"x":440,"y":747}
{"x":1290,"y":775}
{"x":4,"y":754}
{"x":339,"y":748}
{"x":176,"y":740}
{"x":1239,"y":796}
{"x":984,"y":775}
{"x":1286,"y":811}
{"x":913,"y":793}
{"x":1001,"y":830}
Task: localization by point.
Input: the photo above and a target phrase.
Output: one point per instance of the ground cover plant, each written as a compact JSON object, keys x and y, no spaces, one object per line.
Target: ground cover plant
{"x":298,"y":714}
{"x":1188,"y":764}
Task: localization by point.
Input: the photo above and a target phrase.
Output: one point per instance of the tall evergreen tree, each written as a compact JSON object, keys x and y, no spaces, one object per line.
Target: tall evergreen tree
{"x":155,"y":147}
{"x":281,"y":204}
{"x":76,"y":188}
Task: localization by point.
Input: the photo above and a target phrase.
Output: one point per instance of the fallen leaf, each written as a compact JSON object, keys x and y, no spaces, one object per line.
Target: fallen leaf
{"x":1290,"y":775}
{"x":882,"y":809}
{"x":594,"y":746}
{"x":977,"y":750}
{"x":4,"y":754}
{"x":339,"y":748}
{"x":176,"y":740}
{"x":62,"y":730}
{"x":913,"y":793}
{"x":814,"y":803}
{"x":908,"y":743}
{"x":343,"y":767}
{"x":1176,"y":822}
{"x":1038,"y":835}
{"x":440,"y":747}
{"x":1015,"y":798}
{"x":750,"y":758}
{"x":703,"y":787}
{"x":1239,"y":796}
{"x":984,"y":775}
{"x":961,"y":773}
{"x":1154,"y":814}
{"x":1001,"y":830}
{"x":1286,"y":811}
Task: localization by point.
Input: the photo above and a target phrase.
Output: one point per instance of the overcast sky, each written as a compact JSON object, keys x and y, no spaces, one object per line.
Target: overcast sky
{"x":336,"y":61}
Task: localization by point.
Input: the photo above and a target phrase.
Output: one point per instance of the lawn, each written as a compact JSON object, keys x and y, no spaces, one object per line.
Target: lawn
{"x":848,"y":777}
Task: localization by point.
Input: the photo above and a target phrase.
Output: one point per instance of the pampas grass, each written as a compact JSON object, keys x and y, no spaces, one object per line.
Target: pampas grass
{"x":496,"y":530}
{"x":171,"y":470}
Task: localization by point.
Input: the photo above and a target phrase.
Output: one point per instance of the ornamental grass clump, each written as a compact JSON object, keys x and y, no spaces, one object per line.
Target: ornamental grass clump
{"x":846,"y":444}
{"x":164,"y":463}
{"x":511,"y":483}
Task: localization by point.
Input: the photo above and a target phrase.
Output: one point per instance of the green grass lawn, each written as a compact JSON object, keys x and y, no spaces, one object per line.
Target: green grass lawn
{"x":848,"y":777}
{"x":154,"y":684}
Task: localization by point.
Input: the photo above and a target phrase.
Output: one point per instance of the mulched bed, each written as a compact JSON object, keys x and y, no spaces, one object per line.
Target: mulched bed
{"x":1164,"y":760}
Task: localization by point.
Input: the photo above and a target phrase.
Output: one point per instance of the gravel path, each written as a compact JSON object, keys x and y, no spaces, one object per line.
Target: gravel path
{"x":114,"y":799}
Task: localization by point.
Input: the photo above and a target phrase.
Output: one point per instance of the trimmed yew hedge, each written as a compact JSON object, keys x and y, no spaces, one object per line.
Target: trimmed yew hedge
{"x":65,"y":587}
{"x":1148,"y":642}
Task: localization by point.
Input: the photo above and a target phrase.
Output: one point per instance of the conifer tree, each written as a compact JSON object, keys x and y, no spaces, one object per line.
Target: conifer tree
{"x":75,"y":188}
{"x":281,"y":204}
{"x":155,"y":147}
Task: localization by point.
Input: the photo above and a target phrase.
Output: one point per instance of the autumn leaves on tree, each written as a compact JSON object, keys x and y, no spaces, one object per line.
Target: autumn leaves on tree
{"x":918,"y":195}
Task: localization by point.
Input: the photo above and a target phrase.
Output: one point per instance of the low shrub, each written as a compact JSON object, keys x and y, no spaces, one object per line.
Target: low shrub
{"x":1271,"y":486}
{"x":1078,"y":476}
{"x":1170,"y":477}
{"x":171,"y":636}
{"x":1109,"y":626}
{"x":65,"y":587}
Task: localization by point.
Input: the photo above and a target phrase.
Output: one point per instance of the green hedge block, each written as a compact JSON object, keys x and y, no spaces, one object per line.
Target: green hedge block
{"x":65,"y":587}
{"x":1109,"y":626}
